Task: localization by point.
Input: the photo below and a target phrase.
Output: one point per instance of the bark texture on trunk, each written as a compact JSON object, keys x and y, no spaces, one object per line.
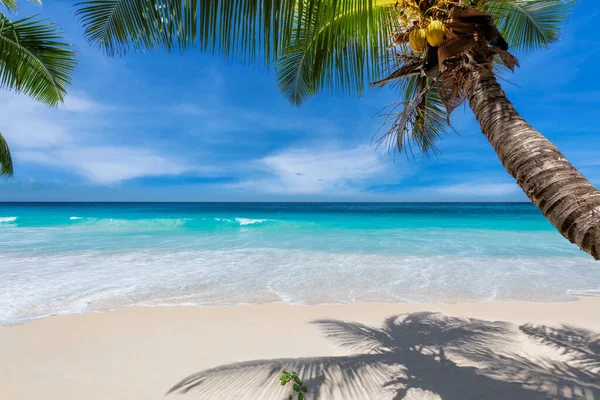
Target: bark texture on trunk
{"x":568,"y":200}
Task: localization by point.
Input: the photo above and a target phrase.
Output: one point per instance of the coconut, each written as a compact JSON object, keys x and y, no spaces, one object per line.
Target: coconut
{"x":417,"y":40}
{"x":435,"y":33}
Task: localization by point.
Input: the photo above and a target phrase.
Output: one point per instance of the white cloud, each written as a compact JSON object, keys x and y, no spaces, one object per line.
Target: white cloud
{"x":33,"y":133}
{"x":105,"y":164}
{"x":45,"y":136}
{"x":75,"y":103}
{"x":319,"y":171}
{"x":26,"y":124}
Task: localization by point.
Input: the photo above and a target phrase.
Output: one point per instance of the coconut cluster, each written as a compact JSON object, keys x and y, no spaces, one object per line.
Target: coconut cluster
{"x":422,"y":28}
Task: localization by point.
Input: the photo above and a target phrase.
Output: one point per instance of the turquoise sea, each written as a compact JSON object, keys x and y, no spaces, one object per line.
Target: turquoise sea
{"x":71,"y":257}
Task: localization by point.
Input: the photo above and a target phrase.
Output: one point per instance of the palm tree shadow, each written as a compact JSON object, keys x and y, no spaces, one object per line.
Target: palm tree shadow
{"x":422,"y":355}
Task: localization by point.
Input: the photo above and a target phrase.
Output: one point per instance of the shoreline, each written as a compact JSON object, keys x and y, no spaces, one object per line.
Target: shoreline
{"x":141,"y":352}
{"x":575,"y":299}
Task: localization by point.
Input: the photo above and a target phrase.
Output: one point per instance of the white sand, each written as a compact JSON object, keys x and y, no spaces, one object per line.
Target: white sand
{"x":142,"y":352}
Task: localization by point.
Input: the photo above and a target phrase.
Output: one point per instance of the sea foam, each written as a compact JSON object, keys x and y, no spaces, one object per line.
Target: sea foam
{"x":7,"y":219}
{"x":40,"y":284}
{"x":249,"y":221}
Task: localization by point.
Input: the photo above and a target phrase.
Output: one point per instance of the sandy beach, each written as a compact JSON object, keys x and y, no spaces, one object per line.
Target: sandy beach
{"x":480,"y":350}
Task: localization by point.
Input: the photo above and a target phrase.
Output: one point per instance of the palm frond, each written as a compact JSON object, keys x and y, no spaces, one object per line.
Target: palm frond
{"x":422,"y":118}
{"x":294,"y":74}
{"x":408,"y":69}
{"x":35,"y":59}
{"x":432,"y":122}
{"x":115,"y":24}
{"x":330,"y":53}
{"x":9,"y":4}
{"x":6,"y":166}
{"x":528,"y":24}
{"x":251,"y":30}
{"x":295,"y":64}
{"x":12,"y":5}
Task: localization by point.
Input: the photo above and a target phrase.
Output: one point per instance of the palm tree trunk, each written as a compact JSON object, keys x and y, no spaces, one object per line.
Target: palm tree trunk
{"x":568,"y":200}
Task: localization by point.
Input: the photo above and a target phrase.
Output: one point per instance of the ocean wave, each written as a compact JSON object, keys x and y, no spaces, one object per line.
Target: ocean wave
{"x":7,"y":220}
{"x":250,"y":221}
{"x":164,"y":223}
{"x":136,"y":224}
{"x":242,"y":221}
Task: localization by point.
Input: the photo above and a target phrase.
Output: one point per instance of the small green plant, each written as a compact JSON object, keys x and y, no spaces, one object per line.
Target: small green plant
{"x":298,"y":386}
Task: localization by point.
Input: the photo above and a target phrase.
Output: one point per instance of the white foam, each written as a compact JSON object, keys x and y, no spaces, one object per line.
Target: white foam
{"x":134,"y":224}
{"x":7,"y":219}
{"x":249,"y":221}
{"x":584,"y":293}
{"x":44,"y":283}
{"x":242,"y":221}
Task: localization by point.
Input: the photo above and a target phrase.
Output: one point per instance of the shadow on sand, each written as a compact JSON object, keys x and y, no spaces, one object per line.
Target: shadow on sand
{"x":425,"y":355}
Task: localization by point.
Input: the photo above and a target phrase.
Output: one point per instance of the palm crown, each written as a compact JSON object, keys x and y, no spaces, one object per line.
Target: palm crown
{"x":342,"y":45}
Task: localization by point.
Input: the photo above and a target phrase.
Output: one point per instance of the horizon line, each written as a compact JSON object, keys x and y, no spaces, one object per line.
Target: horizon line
{"x":263,"y":202}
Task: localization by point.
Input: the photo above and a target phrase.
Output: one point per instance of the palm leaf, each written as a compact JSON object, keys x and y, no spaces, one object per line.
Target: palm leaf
{"x":329,"y":53}
{"x":251,"y":30}
{"x":433,"y":121}
{"x":34,"y":59}
{"x":411,"y":68}
{"x":12,"y":5}
{"x":422,"y":118}
{"x":528,"y":24}
{"x":9,"y":4}
{"x":6,"y":166}
{"x":294,"y":66}
{"x":294,"y":74}
{"x":114,"y":24}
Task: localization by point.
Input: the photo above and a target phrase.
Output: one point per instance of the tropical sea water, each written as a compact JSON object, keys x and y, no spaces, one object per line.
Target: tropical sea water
{"x":70,"y":257}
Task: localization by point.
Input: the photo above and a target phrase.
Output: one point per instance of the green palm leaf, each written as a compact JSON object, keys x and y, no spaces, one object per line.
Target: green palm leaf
{"x":528,"y":24}
{"x":34,"y":59}
{"x":11,"y":5}
{"x":115,"y":24}
{"x":329,"y":53}
{"x":251,"y":30}
{"x":6,"y":166}
{"x":422,"y":119}
{"x":295,"y":72}
{"x":432,"y":119}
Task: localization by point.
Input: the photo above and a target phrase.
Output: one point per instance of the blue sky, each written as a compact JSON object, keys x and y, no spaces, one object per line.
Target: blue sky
{"x":191,"y":127}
